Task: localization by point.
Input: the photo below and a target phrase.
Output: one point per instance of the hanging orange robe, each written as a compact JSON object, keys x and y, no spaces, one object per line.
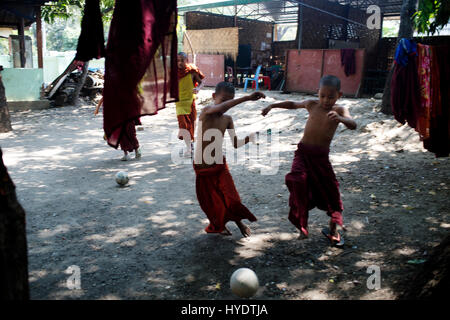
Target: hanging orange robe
{"x":185,"y":107}
{"x":218,"y":197}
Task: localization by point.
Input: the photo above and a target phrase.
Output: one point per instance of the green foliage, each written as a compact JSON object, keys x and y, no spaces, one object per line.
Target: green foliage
{"x":62,"y":34}
{"x":431,"y":16}
{"x":390,"y":28}
{"x":63,"y":22}
{"x":64,"y":9}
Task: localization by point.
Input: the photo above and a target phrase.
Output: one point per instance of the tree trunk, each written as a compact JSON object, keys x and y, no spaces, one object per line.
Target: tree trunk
{"x":76,"y":95}
{"x":406,"y":30}
{"x":13,"y":242}
{"x":5,"y":122}
{"x":432,"y":281}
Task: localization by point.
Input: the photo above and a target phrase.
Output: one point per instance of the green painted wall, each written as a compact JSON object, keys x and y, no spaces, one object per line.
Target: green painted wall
{"x":25,"y":84}
{"x":22,"y":84}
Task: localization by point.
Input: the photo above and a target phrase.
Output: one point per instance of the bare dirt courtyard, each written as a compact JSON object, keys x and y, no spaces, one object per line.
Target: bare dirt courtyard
{"x":147,"y":240}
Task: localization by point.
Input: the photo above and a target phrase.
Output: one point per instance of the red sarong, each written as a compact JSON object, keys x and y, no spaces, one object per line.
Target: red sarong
{"x":218,"y":197}
{"x":129,"y":141}
{"x":187,"y":121}
{"x":312,"y":183}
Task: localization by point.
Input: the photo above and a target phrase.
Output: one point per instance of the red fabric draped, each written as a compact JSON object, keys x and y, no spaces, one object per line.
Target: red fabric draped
{"x":405,"y":92}
{"x":348,"y":61}
{"x":439,"y":139}
{"x":219,"y":198}
{"x":312,"y":183}
{"x":91,"y":43}
{"x":141,"y":63}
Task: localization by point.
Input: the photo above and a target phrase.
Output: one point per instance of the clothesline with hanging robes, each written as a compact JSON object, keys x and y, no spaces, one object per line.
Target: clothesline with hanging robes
{"x":420,"y":92}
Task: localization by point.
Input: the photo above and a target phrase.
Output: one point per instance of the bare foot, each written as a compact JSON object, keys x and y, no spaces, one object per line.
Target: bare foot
{"x":226,"y":232}
{"x":245,"y":230}
{"x":333,"y":229}
{"x":302,"y":236}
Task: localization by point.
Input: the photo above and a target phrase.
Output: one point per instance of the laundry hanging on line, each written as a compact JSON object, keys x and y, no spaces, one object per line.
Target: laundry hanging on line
{"x":420,"y":95}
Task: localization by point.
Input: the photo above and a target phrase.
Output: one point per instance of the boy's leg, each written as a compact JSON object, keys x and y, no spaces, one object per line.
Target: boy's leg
{"x":188,"y":151}
{"x":245,"y":230}
{"x":226,"y":232}
{"x":297,"y":183}
{"x":125,"y":157}
{"x":138,"y":153}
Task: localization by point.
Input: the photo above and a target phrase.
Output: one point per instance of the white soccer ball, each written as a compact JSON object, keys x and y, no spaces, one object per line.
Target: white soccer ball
{"x":244,"y":283}
{"x":122,"y":178}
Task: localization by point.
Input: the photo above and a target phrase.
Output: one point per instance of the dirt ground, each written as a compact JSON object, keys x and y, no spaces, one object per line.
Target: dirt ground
{"x":147,"y":240}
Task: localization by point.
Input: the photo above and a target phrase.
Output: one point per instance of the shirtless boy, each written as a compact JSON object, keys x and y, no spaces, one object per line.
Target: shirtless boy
{"x":312,"y":182}
{"x":216,"y":192}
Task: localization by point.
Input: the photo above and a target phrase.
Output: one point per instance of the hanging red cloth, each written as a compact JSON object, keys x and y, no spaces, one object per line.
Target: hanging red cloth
{"x":91,"y":43}
{"x":141,"y":63}
{"x":405,"y":96}
{"x":439,"y":139}
{"x":424,"y":72}
{"x":348,"y":61}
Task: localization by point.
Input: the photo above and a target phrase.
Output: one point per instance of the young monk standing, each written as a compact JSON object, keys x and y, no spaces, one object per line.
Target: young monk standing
{"x":215,"y":188}
{"x":312,"y":182}
{"x":190,"y":82}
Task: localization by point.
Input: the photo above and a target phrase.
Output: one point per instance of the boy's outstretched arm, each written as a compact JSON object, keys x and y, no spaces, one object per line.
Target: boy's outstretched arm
{"x":343,"y":115}
{"x":200,"y":82}
{"x":286,"y":105}
{"x":237,"y":143}
{"x":227,"y":105}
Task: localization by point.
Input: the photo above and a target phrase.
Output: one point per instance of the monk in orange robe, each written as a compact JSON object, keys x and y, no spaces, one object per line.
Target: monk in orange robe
{"x":189,"y":84}
{"x":216,"y":192}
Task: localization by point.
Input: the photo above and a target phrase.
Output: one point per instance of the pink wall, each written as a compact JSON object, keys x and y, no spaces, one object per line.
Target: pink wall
{"x":305,"y":69}
{"x":212,"y":66}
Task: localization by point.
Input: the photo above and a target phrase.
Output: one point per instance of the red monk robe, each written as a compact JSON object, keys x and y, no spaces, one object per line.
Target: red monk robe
{"x":185,"y":107}
{"x":218,"y":197}
{"x":312,"y":183}
{"x":141,"y":50}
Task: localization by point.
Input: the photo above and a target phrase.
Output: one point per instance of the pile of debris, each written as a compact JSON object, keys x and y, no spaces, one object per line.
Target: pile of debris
{"x":63,"y":90}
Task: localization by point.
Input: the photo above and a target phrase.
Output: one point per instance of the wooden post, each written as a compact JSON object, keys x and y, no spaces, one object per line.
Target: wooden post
{"x":21,"y":29}
{"x":299,"y":26}
{"x":345,"y":26}
{"x":5,"y":121}
{"x":235,"y":80}
{"x":39,"y":38}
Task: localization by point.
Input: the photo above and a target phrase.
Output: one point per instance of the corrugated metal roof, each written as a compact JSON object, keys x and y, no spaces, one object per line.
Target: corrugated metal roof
{"x":279,"y":11}
{"x":11,"y":11}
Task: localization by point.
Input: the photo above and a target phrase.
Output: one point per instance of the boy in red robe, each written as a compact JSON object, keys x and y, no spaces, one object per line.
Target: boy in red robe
{"x":215,"y":188}
{"x":189,"y":84}
{"x":312,"y":182}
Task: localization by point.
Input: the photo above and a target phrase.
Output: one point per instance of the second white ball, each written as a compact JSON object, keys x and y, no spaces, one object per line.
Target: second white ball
{"x":244,"y":282}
